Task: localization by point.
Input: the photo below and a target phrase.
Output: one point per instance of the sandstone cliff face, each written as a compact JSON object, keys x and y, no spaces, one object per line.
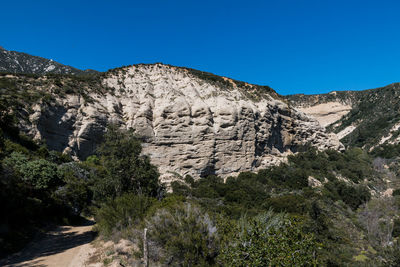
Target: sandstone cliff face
{"x":189,"y":125}
{"x":326,"y":113}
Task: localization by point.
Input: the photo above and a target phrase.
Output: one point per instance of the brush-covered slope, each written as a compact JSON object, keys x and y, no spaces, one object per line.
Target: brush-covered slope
{"x":191,"y":122}
{"x":366,"y":118}
{"x":17,"y":62}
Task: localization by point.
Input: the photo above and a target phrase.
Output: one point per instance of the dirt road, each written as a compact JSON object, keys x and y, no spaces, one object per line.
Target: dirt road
{"x":67,"y":246}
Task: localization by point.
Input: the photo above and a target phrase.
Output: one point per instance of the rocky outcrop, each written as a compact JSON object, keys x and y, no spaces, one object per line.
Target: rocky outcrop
{"x":327,"y":109}
{"x":326,"y":113}
{"x":189,"y":125}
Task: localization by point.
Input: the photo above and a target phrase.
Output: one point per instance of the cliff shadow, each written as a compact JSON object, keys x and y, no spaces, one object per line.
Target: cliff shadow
{"x":54,"y":129}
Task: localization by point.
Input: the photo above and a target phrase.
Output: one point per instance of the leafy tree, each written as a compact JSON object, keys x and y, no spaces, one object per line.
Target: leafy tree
{"x":75,"y":192}
{"x":41,"y":174}
{"x":123,"y":168}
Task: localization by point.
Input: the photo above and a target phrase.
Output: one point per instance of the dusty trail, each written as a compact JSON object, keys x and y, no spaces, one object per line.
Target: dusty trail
{"x":67,"y":246}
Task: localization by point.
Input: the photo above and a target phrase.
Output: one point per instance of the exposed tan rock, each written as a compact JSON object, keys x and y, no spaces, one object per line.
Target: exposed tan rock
{"x":346,"y":131}
{"x":388,"y":192}
{"x":326,"y":113}
{"x":314,"y":183}
{"x":189,"y":125}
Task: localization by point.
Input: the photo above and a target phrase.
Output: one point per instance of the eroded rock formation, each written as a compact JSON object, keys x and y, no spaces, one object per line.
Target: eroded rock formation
{"x":189,"y":125}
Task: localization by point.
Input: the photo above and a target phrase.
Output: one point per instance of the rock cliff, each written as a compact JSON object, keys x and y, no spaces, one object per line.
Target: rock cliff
{"x":191,"y":122}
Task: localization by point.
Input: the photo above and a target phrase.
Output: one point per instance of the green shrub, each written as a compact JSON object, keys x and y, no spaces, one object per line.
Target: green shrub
{"x":122,"y":212}
{"x":41,"y":174}
{"x":58,"y":157}
{"x":179,"y":188}
{"x":269,"y":240}
{"x":353,"y":196}
{"x":387,"y":151}
{"x":16,"y":160}
{"x":182,"y":235}
{"x":392,"y":254}
{"x":287,"y":203}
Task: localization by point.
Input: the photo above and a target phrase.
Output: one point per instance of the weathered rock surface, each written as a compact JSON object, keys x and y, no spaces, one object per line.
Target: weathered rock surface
{"x":189,"y":125}
{"x":326,"y":113}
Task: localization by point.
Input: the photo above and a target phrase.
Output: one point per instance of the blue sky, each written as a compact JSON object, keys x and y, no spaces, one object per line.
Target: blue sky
{"x":294,"y":46}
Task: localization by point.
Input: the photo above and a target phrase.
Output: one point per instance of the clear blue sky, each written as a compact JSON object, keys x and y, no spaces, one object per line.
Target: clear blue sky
{"x":294,"y":46}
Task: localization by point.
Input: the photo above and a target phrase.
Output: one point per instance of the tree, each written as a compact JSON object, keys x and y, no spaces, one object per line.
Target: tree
{"x":123,"y":168}
{"x":74,"y":193}
{"x":41,"y":174}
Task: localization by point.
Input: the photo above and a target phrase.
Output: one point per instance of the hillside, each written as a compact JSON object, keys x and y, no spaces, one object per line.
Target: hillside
{"x":366,"y":118}
{"x":190,"y":122}
{"x":220,"y":172}
{"x":18,"y":62}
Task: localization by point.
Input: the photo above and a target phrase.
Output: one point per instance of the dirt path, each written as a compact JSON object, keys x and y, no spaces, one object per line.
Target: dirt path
{"x":67,"y":246}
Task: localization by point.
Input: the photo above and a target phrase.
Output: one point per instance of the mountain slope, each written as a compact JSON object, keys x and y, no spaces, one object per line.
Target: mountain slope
{"x":370,"y":117}
{"x":191,"y":122}
{"x":17,"y":62}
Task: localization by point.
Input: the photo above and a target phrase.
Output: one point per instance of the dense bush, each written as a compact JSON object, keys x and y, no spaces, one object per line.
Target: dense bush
{"x":252,"y":193}
{"x":387,"y":151}
{"x":293,"y":203}
{"x":122,"y":212}
{"x":40,"y":173}
{"x":182,"y":235}
{"x":326,"y":210}
{"x":354,"y":164}
{"x":353,"y":196}
{"x":270,"y":240}
{"x":237,"y":195}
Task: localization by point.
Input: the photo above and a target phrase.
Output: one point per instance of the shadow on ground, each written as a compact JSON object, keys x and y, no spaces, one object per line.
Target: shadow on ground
{"x":53,"y":242}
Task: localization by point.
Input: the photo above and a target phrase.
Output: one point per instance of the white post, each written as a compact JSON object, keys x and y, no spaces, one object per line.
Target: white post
{"x":145,"y":252}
